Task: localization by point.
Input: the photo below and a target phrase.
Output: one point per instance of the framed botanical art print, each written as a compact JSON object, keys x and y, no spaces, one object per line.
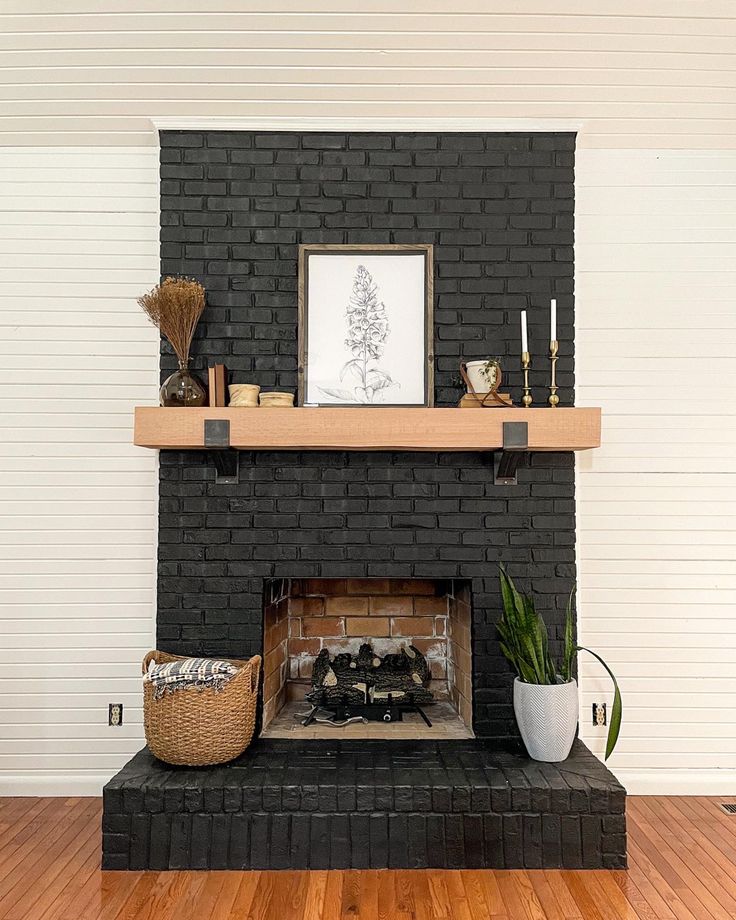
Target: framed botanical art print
{"x":366,"y":334}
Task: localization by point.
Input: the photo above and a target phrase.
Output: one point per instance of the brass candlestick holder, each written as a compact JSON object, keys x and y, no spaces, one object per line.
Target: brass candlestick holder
{"x":526,"y":399}
{"x":554,"y":399}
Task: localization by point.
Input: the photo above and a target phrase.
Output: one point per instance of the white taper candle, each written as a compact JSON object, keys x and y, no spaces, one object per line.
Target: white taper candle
{"x":524,"y":341}
{"x":553,"y":322}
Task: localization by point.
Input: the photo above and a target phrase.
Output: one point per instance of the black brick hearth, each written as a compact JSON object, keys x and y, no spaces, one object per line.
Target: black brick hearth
{"x":366,"y":804}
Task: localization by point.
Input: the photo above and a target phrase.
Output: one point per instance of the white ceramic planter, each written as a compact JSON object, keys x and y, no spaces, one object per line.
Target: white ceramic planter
{"x":547,"y":716}
{"x":478,"y":380}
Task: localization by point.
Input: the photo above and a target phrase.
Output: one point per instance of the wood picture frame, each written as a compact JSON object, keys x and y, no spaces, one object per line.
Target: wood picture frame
{"x":351,"y":301}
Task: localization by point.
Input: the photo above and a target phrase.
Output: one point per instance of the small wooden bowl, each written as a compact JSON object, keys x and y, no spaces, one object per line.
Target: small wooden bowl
{"x":244,"y":394}
{"x":275,"y":400}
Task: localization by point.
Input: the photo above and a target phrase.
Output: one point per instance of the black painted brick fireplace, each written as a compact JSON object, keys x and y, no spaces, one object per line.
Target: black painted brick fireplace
{"x":499,"y":210}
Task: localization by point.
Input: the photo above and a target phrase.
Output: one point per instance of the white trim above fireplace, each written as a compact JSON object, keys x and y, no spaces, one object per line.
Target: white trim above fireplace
{"x":342,"y":124}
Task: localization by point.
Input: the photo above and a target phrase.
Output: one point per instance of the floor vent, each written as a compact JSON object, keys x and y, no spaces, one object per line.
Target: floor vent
{"x":729,"y":807}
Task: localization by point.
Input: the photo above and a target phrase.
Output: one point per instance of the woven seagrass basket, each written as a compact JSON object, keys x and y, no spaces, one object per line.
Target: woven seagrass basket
{"x":199,"y":727}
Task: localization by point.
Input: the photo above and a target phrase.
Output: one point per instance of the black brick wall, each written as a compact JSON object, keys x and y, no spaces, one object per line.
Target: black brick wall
{"x":499,"y":210}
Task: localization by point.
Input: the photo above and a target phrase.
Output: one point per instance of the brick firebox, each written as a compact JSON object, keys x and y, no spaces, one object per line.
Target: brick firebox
{"x":303,"y":616}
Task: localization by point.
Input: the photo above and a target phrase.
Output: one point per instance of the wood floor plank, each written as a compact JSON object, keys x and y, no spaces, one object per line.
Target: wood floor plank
{"x":50,"y":886}
{"x":223,"y":909}
{"x":585,"y":896}
{"x":285,"y":895}
{"x":368,"y":908}
{"x":460,"y":908}
{"x":162,"y":896}
{"x":35,"y":823}
{"x":682,"y":866}
{"x":545,"y":895}
{"x":721,"y":828}
{"x":476,"y":895}
{"x":644,"y":905}
{"x":47,"y":859}
{"x":81,"y":882}
{"x":184,"y":906}
{"x":260,"y":906}
{"x":351,"y":890}
{"x":488,"y":883}
{"x":389,"y":903}
{"x":333,"y":897}
{"x":135,"y":905}
{"x":611,"y":901}
{"x":241,"y":905}
{"x":682,"y":902}
{"x":696,"y":876}
{"x":638,"y":860}
{"x":518,"y":896}
{"x":704,"y":850}
{"x":12,"y":810}
{"x":316,"y":893}
{"x":439,"y":896}
{"x":103,"y":898}
{"x":564,"y":898}
{"x":209,"y":894}
{"x":297,"y":895}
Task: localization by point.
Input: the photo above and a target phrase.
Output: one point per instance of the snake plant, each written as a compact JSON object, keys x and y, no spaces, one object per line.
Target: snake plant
{"x":525,"y":643}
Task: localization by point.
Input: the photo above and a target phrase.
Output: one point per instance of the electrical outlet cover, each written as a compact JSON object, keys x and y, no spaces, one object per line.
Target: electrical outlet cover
{"x":115,"y":714}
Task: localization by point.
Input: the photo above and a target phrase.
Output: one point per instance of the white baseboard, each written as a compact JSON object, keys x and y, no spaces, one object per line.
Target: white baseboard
{"x":678,"y":782}
{"x":53,"y":784}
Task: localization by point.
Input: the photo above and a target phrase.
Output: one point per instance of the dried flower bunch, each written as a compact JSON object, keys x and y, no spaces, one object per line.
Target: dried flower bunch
{"x":175,"y":306}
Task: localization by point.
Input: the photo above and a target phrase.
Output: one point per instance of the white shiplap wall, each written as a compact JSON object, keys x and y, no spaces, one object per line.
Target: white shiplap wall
{"x":655,"y":342}
{"x":640,"y":73}
{"x":78,"y":242}
{"x":656,"y":348}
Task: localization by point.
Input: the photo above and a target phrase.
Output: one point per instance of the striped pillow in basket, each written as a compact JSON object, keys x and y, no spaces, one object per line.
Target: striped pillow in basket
{"x":190,"y":673}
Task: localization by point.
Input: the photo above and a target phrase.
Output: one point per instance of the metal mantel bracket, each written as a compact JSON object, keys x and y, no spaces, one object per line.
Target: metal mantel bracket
{"x":225,"y":459}
{"x":506,"y":461}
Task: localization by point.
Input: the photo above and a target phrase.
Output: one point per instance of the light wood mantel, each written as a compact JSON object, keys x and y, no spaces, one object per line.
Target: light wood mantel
{"x":369,"y":428}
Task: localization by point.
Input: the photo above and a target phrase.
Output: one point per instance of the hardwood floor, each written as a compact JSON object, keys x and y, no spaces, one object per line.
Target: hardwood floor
{"x":682,"y":854}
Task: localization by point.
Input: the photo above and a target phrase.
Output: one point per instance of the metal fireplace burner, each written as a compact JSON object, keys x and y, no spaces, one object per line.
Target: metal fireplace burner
{"x":367,"y":687}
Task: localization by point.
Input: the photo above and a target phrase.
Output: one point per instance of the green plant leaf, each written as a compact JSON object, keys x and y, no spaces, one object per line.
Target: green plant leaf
{"x":616,"y":710}
{"x":524,"y":634}
{"x":570,"y":647}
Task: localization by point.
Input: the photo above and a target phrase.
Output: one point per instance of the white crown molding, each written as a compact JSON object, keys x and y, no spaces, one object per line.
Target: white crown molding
{"x":389,"y":123}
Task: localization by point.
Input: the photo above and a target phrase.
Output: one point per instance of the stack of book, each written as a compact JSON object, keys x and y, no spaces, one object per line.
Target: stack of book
{"x":475,"y":401}
{"x":217,"y":385}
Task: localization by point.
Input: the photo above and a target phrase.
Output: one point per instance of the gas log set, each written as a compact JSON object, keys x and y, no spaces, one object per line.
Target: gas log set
{"x":367,"y":687}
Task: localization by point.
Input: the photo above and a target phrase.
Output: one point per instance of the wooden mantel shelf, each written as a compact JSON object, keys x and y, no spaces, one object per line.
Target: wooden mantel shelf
{"x":369,"y":428}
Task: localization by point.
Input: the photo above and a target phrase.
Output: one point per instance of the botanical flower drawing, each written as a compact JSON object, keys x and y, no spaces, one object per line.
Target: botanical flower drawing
{"x":368,"y":330}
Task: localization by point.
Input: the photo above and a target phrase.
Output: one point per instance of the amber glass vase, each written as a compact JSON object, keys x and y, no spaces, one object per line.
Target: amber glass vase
{"x":182,"y":388}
